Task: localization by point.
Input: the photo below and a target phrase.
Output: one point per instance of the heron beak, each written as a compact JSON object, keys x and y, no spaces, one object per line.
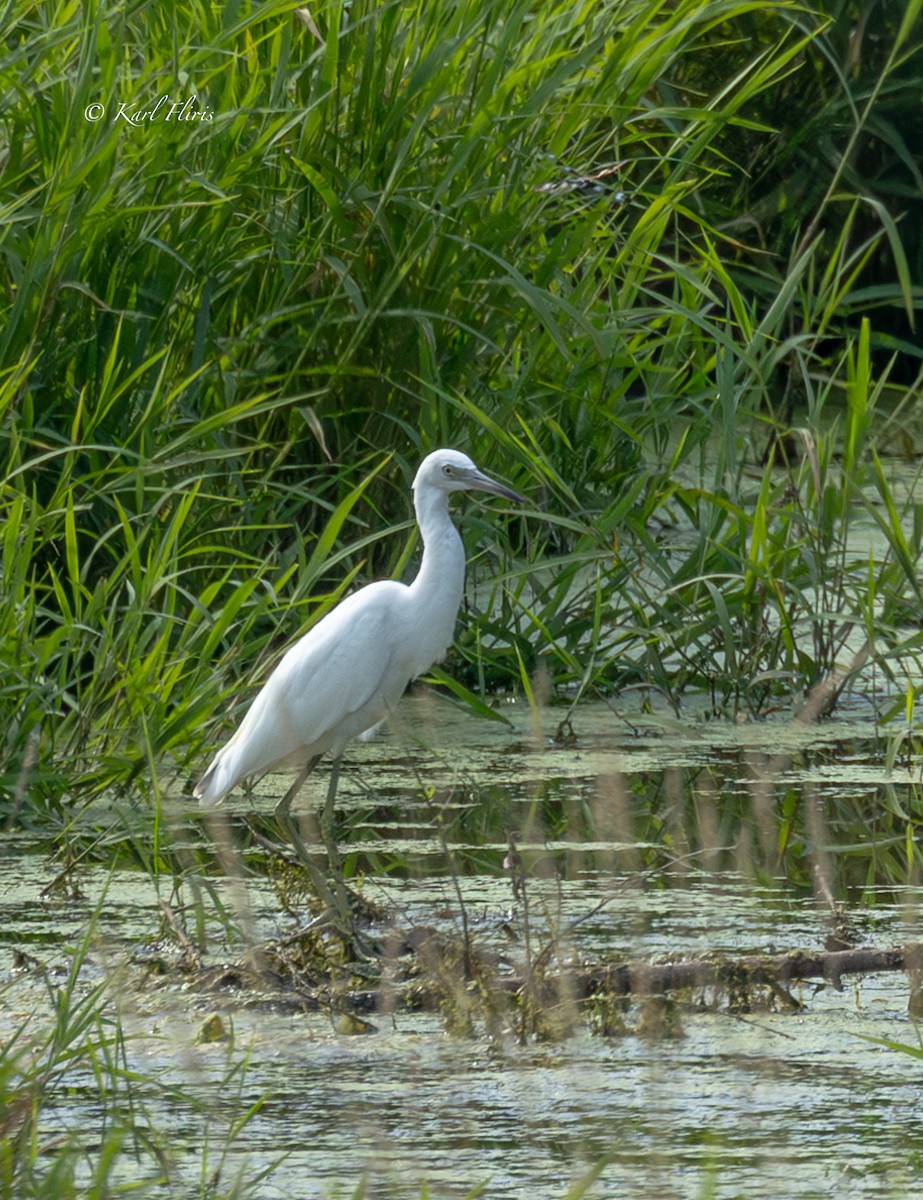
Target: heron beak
{"x":477,"y":481}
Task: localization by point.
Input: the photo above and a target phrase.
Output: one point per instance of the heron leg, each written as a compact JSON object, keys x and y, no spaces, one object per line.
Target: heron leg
{"x":326,"y":820}
{"x":283,"y":814}
{"x":283,"y":810}
{"x":338,"y":883}
{"x":332,"y":892}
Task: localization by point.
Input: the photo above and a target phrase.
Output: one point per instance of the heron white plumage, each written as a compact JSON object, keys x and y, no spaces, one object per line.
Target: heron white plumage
{"x":348,"y":672}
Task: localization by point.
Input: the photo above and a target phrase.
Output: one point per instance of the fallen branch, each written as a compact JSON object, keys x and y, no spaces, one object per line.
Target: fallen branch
{"x":425,"y":983}
{"x":647,"y":979}
{"x":735,"y":978}
{"x":423,"y":968}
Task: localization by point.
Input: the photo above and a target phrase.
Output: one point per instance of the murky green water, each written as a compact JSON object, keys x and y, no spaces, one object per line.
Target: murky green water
{"x":660,"y":832}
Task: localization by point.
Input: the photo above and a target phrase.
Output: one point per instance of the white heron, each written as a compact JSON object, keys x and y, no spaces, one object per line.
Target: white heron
{"x":348,"y":672}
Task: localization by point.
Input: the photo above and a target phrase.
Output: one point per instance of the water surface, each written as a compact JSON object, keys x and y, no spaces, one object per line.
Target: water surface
{"x":651,"y":838}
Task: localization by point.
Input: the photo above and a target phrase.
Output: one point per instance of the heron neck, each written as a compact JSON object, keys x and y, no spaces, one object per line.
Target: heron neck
{"x":442,"y":570}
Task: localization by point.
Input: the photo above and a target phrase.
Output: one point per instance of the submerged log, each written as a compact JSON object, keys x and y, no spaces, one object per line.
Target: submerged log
{"x":735,"y":978}
{"x":647,"y":979}
{"x":433,"y":969}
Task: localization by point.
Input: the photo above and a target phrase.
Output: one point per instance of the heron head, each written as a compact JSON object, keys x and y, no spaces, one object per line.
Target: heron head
{"x":452,"y":471}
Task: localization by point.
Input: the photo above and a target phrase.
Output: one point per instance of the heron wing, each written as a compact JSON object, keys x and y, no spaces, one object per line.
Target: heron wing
{"x":332,"y":685}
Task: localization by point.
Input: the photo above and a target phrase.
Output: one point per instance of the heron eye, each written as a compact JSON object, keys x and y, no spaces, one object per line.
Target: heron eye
{"x":447,"y":470}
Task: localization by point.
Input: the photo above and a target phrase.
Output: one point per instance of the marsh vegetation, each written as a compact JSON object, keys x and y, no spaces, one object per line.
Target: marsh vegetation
{"x":658,"y":266}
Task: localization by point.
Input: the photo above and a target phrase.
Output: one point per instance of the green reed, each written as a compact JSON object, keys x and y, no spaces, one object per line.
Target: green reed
{"x":227,"y":341}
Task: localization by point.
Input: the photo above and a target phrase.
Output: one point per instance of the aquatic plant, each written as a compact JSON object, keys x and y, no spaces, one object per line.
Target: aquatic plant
{"x":79,"y":1046}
